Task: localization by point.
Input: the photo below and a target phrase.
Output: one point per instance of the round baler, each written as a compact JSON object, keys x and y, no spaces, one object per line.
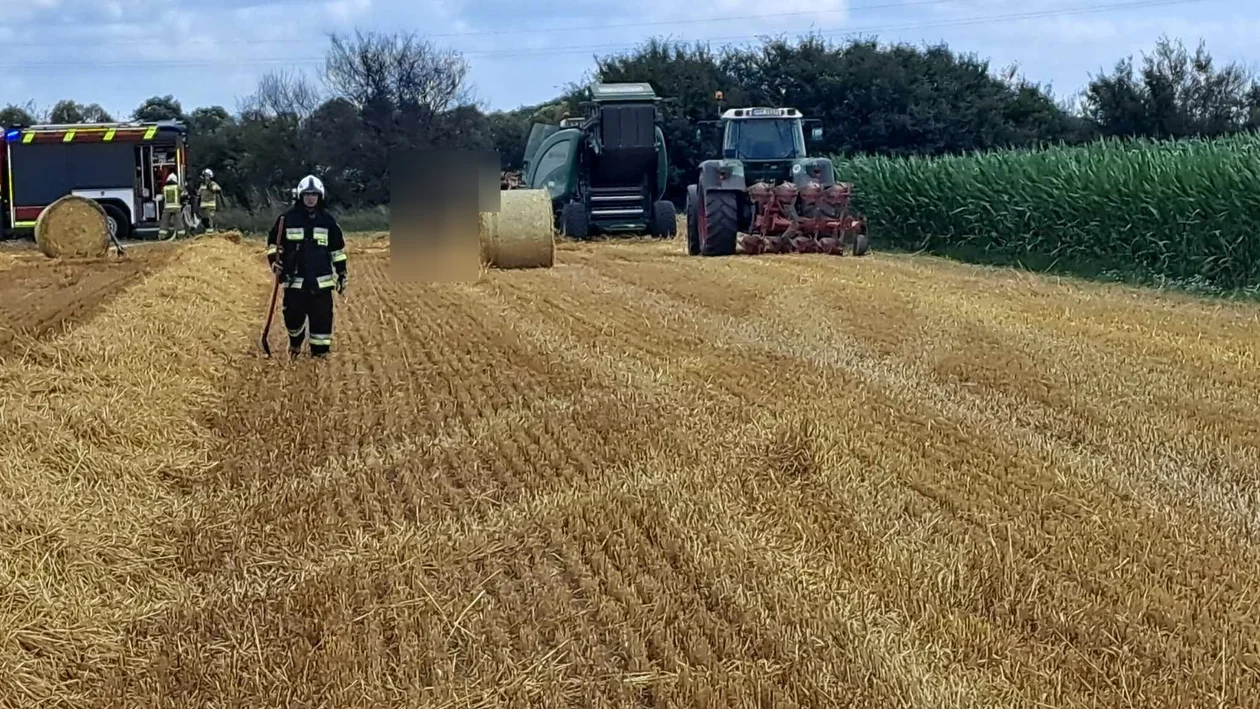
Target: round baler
{"x":607,"y":170}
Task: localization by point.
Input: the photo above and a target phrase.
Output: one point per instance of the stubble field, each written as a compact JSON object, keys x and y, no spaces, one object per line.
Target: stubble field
{"x":635,"y":479}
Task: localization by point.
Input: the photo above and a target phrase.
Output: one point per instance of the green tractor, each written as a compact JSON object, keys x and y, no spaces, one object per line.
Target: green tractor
{"x":767,"y":195}
{"x":606,"y":171}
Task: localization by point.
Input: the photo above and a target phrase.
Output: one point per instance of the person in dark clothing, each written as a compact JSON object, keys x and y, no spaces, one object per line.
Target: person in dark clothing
{"x":310,"y":258}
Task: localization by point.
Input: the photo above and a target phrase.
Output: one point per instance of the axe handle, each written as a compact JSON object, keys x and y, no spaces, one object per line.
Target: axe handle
{"x":275,"y":291}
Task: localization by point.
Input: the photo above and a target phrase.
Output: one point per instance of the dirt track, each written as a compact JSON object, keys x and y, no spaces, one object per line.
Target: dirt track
{"x":39,"y":296}
{"x":638,"y":479}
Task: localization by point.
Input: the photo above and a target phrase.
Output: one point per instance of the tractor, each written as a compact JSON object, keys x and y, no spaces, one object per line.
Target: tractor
{"x":606,"y":171}
{"x":766,"y":195}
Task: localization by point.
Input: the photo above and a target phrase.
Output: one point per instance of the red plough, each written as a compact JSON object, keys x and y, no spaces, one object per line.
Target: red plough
{"x":811,"y":220}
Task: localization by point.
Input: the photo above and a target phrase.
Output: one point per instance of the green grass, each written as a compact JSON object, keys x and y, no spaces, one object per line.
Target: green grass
{"x":1186,"y":212}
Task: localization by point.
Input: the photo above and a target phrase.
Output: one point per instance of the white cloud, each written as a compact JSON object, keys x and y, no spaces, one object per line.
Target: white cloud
{"x":345,"y":10}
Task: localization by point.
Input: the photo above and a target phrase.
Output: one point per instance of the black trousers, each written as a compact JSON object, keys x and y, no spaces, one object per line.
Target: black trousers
{"x":303,"y":308}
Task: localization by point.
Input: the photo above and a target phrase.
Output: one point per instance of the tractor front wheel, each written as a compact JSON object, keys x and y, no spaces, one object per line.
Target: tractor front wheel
{"x":719,"y":229}
{"x":664,"y":219}
{"x":693,"y":221}
{"x":861,"y":244}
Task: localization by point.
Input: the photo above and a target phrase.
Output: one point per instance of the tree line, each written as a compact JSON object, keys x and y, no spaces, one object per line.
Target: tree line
{"x":379,"y":93}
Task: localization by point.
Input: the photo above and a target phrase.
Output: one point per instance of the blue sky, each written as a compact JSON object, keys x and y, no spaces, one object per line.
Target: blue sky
{"x":118,"y":52}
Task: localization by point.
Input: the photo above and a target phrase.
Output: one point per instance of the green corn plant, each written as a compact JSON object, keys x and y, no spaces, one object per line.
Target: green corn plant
{"x":1180,"y":210}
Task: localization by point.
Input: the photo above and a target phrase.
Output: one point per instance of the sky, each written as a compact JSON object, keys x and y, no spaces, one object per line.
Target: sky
{"x":119,"y":52}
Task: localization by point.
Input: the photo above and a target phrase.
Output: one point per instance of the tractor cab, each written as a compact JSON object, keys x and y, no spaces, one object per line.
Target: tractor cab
{"x":605,"y":170}
{"x":768,"y":141}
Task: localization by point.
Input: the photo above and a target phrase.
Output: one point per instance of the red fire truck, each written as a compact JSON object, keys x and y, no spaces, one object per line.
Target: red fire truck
{"x":122,"y":166}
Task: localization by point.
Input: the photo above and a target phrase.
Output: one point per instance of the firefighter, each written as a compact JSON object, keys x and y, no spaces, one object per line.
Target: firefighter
{"x":209,"y":196}
{"x":310,"y":259}
{"x":172,"y":219}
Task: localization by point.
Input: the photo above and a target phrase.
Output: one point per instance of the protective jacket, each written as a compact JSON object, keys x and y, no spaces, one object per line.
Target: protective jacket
{"x":312,"y":248}
{"x":209,"y":193}
{"x":171,"y":195}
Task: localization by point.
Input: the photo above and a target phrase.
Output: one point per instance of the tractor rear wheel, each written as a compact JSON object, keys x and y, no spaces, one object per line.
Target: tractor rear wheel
{"x":719,"y":229}
{"x":693,"y":221}
{"x":574,"y":221}
{"x":664,"y":219}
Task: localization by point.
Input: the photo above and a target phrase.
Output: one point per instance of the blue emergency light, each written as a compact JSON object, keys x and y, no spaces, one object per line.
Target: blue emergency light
{"x":12,"y":135}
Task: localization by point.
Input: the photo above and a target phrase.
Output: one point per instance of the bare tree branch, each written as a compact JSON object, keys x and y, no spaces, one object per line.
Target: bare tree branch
{"x":399,"y":84}
{"x":283,"y":93}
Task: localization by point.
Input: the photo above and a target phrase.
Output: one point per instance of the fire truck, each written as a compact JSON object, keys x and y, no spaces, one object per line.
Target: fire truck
{"x":123,"y":166}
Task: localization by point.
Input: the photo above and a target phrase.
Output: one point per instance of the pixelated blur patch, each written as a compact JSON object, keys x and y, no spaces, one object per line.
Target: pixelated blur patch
{"x":435,"y":197}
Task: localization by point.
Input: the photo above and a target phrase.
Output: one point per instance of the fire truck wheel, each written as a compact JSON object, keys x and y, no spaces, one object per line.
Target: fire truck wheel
{"x":118,"y":223}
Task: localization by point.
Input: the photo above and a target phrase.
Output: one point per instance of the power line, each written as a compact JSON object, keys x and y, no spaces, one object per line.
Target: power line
{"x":991,"y":19}
{"x":550,"y":51}
{"x":547,"y":30}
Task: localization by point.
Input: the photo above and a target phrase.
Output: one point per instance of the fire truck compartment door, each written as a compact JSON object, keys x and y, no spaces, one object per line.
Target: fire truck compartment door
{"x":46,"y":172}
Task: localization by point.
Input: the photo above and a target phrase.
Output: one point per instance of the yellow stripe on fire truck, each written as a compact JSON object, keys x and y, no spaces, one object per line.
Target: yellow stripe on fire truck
{"x":69,"y":136}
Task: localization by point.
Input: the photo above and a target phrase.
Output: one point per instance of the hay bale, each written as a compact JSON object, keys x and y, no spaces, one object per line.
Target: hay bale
{"x":521,"y":234}
{"x":73,"y":227}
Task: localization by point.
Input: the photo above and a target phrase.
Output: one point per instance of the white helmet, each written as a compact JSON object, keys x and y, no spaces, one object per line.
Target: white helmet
{"x":207,"y":173}
{"x":310,"y":183}
{"x":172,"y":179}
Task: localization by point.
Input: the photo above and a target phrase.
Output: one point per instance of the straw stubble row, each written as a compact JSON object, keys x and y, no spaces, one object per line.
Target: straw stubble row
{"x":633,"y":480}
{"x":100,"y":426}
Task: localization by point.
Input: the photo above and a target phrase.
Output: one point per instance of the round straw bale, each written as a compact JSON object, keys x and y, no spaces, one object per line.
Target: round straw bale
{"x":73,"y":227}
{"x":521,"y":234}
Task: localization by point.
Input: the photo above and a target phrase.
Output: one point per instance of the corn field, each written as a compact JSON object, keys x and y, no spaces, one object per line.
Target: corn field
{"x":1184,"y":210}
